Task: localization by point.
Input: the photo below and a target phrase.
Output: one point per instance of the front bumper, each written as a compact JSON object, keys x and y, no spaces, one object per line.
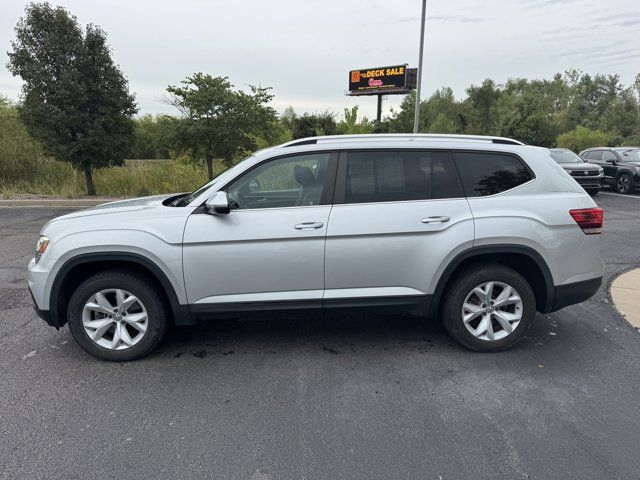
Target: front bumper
{"x":37,"y":276}
{"x":589,"y":182}
{"x":43,"y":314}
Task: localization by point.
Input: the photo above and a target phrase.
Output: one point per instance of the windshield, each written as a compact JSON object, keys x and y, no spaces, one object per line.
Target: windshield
{"x":565,"y":156}
{"x":632,"y":155}
{"x":187,"y":199}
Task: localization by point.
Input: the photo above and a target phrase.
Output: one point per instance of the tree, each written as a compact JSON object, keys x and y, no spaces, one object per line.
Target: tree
{"x":526,"y":112}
{"x":350,"y":123}
{"x":219,"y":122}
{"x":442,"y":113}
{"x":401,"y":121}
{"x":483,"y":101}
{"x":443,"y":124}
{"x":311,"y":124}
{"x":154,"y":136}
{"x":75,"y":100}
{"x":581,"y":138}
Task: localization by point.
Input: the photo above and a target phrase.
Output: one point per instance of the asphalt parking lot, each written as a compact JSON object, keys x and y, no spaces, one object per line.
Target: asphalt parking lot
{"x":345,"y":398}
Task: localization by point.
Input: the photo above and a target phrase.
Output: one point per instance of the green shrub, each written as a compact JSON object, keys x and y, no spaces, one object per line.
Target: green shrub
{"x":20,"y":154}
{"x":134,"y":179}
{"x":581,"y":138}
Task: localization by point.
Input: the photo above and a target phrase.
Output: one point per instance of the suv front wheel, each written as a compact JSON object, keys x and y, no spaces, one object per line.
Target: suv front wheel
{"x":488,"y":308}
{"x":117,"y":316}
{"x":624,"y":182}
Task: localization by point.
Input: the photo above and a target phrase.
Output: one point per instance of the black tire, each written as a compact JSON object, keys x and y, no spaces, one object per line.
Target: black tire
{"x":143,"y":289}
{"x":463,"y":284}
{"x":624,"y":183}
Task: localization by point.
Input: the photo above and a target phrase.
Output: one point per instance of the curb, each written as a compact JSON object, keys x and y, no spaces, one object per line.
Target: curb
{"x":625,"y":292}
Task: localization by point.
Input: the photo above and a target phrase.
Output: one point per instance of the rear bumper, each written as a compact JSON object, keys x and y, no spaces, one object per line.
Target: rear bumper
{"x":572,"y":293}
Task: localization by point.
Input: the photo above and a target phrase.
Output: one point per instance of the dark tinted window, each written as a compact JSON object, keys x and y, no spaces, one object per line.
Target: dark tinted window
{"x":400,"y":175}
{"x":489,"y":173}
{"x":594,"y":155}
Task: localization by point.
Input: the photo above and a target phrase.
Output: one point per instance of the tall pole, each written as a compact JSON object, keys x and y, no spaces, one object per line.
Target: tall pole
{"x":416,"y":117}
{"x":379,"y":114}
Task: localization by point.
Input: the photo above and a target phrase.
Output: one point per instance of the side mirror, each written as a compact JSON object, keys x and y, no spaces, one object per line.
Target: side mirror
{"x":218,"y":204}
{"x":612,"y":162}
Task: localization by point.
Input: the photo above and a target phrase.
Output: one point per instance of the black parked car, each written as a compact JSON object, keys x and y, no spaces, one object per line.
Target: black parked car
{"x":621,"y":166}
{"x":589,"y":176}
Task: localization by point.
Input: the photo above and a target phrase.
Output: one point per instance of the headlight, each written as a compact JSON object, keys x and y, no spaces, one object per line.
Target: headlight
{"x":600,"y":171}
{"x":41,"y":246}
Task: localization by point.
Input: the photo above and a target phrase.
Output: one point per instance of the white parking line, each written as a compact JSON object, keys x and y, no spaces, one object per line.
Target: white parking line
{"x":619,"y":195}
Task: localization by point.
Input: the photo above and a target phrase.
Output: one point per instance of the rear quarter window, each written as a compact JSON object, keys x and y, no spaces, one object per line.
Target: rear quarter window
{"x":484,"y":173}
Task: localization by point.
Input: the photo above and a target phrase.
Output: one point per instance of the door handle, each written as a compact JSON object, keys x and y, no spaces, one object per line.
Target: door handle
{"x":308,"y":225}
{"x":442,"y":219}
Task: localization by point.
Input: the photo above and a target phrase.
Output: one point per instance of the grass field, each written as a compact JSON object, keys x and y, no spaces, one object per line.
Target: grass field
{"x":136,"y":178}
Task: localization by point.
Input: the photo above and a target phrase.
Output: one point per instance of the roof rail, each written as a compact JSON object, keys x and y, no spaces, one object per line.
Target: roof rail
{"x":400,"y":136}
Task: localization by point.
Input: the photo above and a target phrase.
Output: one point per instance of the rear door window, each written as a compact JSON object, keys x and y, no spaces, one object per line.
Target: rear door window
{"x":484,"y":173}
{"x":392,"y":176}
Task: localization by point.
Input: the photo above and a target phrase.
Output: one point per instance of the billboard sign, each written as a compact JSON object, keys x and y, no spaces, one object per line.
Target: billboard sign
{"x":379,"y":80}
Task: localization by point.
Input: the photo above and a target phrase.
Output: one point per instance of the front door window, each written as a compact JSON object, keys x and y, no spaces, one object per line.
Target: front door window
{"x":294,"y":181}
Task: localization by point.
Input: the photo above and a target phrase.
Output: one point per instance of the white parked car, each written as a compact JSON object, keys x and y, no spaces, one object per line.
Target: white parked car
{"x":478,"y":231}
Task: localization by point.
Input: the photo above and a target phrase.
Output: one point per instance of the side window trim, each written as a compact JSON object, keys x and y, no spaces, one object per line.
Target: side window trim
{"x":341,"y":179}
{"x":329,"y":185}
{"x":340,"y":191}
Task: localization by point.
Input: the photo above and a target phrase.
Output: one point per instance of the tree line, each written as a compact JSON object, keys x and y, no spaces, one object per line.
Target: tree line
{"x":76,"y":106}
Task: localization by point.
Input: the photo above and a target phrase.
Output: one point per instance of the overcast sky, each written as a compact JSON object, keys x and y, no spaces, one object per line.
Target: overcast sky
{"x":305,"y":48}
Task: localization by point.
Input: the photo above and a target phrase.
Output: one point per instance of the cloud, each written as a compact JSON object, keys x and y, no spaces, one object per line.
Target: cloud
{"x":607,"y":51}
{"x":612,"y":62}
{"x":545,"y":3}
{"x":440,"y":19}
{"x":617,"y":20}
{"x":455,"y":18}
{"x":618,"y":16}
{"x":403,"y":20}
{"x":627,"y":23}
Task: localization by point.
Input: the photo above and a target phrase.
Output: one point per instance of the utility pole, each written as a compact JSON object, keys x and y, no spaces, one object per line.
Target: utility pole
{"x":416,"y":117}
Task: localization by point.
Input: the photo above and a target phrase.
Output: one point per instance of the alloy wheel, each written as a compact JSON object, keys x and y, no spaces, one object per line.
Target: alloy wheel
{"x":492,"y":311}
{"x":114,"y":319}
{"x":623,"y":184}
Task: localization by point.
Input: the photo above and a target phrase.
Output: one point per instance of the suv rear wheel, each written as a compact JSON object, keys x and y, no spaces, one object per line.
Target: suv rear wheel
{"x":117,"y":316}
{"x":489,"y":308}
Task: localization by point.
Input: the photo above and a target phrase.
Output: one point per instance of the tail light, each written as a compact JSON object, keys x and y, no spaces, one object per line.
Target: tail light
{"x":588,"y":219}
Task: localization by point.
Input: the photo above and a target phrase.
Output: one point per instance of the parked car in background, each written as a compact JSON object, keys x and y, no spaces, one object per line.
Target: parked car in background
{"x":589,"y":176}
{"x":480,"y":232}
{"x":621,"y":166}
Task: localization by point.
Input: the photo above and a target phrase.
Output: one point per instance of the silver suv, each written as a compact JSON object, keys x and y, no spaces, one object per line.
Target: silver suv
{"x":481,"y":232}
